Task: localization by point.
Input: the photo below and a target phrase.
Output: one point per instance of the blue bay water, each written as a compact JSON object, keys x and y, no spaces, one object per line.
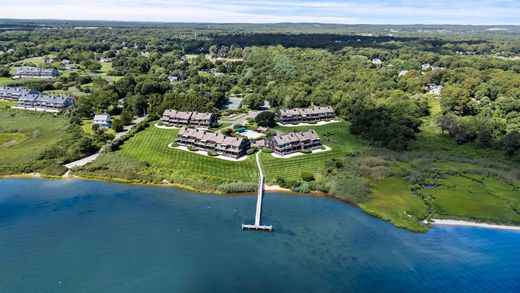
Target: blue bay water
{"x":87,"y":236}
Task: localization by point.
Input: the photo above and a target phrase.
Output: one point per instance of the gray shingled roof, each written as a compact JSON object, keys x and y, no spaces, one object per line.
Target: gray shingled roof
{"x":296,"y":137}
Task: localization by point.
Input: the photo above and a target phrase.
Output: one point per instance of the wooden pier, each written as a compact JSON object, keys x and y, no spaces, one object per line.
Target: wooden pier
{"x":260,"y":195}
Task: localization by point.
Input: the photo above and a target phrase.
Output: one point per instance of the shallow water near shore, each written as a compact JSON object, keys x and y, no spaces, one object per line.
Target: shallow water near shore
{"x":85,"y":236}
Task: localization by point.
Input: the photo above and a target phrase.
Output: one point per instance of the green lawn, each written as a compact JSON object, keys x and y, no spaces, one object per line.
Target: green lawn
{"x":335,"y":135}
{"x":6,"y":104}
{"x":150,"y":147}
{"x":32,"y":132}
{"x":5,"y":80}
{"x":8,"y":140}
{"x":105,"y":68}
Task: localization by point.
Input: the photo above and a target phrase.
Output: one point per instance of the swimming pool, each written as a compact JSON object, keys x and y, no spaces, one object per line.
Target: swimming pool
{"x":251,"y":134}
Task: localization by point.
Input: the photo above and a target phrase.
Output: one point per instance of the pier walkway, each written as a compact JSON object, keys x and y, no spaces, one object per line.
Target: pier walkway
{"x":260,"y":195}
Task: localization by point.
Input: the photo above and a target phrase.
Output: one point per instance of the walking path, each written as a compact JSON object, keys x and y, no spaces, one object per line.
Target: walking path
{"x":91,"y":158}
{"x":258,"y":215}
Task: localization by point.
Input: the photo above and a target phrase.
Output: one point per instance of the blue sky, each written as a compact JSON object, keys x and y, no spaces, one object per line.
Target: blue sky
{"x":268,"y":11}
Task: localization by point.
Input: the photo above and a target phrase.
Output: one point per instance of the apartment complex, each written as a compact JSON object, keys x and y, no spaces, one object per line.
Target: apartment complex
{"x":36,"y":72}
{"x":34,"y":100}
{"x":301,"y":115}
{"x":182,"y":118}
{"x":293,"y":142}
{"x":218,"y":143}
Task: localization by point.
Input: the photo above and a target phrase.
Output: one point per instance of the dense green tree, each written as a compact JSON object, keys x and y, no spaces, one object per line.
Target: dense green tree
{"x":266,"y":119}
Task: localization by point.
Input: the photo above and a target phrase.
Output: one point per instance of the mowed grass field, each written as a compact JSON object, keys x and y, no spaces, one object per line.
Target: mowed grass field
{"x":6,"y":104}
{"x":25,"y":135}
{"x":335,"y":135}
{"x":150,"y":146}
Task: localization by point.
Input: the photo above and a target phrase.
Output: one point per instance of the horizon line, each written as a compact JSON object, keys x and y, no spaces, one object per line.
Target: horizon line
{"x":252,"y":23}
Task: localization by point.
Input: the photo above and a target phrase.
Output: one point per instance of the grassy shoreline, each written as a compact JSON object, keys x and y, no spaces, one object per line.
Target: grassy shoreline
{"x":423,"y":227}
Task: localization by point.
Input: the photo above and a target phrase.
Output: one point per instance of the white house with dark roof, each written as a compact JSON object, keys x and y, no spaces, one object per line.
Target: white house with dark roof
{"x":102,"y":120}
{"x":286,"y":144}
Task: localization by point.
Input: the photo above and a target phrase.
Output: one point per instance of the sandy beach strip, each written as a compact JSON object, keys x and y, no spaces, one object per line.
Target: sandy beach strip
{"x":473,"y":224}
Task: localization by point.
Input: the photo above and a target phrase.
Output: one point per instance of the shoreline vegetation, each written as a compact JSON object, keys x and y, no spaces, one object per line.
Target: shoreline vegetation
{"x":269,"y":188}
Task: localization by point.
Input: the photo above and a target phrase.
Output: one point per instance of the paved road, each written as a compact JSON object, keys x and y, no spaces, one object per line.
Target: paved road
{"x":93,"y":157}
{"x":242,"y":120}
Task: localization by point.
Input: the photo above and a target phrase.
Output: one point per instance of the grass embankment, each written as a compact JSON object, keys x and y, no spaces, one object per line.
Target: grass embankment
{"x":334,"y":135}
{"x":392,"y":200}
{"x":6,"y":104}
{"x":24,"y":135}
{"x":147,"y":157}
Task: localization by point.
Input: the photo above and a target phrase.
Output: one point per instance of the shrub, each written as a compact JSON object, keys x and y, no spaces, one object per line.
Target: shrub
{"x":305,"y":151}
{"x":117,"y":125}
{"x":235,"y":187}
{"x":351,"y":188}
{"x":412,"y":176}
{"x":250,"y":151}
{"x":191,"y":148}
{"x":212,"y":154}
{"x":307,"y":176}
{"x":174,"y":144}
{"x":267,"y":150}
{"x":227,"y":131}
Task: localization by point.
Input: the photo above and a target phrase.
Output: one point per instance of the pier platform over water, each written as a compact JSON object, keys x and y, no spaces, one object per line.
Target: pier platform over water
{"x":260,"y":195}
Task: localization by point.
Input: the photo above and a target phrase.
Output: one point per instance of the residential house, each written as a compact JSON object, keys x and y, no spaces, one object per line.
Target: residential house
{"x":435,"y":89}
{"x":182,"y":118}
{"x":262,"y":129}
{"x":426,"y":66}
{"x":215,"y":142}
{"x":402,"y":73}
{"x":102,"y":120}
{"x":377,"y":62}
{"x":36,"y":72}
{"x":173,"y":79}
{"x":301,"y":115}
{"x":293,"y":142}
